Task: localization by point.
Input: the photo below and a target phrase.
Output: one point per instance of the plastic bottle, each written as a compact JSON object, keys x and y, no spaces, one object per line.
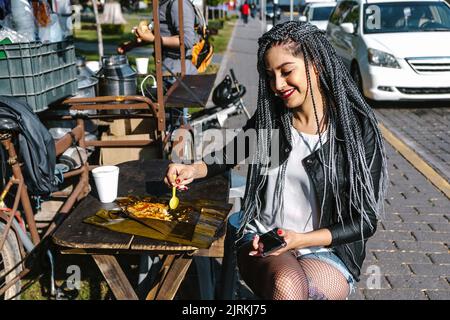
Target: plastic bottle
{"x":64,"y":11}
{"x":24,"y":21}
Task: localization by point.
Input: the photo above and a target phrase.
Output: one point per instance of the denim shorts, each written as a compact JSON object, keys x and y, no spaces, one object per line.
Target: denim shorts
{"x":332,"y":259}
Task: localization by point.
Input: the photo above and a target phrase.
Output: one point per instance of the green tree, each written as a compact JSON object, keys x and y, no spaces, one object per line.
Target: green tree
{"x":214,"y":3}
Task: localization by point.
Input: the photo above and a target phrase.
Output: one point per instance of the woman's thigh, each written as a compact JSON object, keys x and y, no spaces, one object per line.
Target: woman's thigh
{"x":325,"y":281}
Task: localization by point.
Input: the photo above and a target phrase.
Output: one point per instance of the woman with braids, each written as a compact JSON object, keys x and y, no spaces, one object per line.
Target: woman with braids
{"x":325,"y":191}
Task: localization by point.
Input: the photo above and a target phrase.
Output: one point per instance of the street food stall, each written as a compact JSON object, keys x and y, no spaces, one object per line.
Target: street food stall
{"x":49,"y":70}
{"x":176,"y":240}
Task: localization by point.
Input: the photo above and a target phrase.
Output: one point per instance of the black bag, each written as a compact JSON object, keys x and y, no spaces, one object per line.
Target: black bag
{"x":36,"y":146}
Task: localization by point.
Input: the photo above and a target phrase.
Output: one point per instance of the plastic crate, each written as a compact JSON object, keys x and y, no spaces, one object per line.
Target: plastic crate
{"x":39,"y":73}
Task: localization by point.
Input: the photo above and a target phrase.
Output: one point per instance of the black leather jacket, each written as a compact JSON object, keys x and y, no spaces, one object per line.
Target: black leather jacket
{"x":347,"y":239}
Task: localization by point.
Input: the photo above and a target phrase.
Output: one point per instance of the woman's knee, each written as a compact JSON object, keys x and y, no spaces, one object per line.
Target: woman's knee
{"x":289,"y":283}
{"x":329,"y":292}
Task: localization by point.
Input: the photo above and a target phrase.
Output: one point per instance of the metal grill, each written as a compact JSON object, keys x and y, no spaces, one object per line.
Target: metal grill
{"x":442,"y":90}
{"x":430,"y":65}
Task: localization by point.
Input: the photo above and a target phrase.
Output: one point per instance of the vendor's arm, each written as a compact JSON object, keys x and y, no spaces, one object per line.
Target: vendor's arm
{"x":172,"y":42}
{"x":143,"y":33}
{"x":190,"y":36}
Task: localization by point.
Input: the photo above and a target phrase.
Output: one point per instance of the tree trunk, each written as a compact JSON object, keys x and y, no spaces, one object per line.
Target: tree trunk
{"x":99,"y":30}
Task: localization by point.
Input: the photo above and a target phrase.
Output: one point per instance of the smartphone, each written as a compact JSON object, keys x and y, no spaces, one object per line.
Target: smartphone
{"x":272,"y":241}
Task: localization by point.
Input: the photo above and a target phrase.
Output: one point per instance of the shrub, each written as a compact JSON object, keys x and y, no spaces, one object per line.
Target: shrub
{"x":113,"y":29}
{"x":215,"y":24}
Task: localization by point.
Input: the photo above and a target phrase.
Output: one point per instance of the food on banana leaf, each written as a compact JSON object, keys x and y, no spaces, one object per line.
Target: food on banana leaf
{"x":153,"y":208}
{"x":143,"y":209}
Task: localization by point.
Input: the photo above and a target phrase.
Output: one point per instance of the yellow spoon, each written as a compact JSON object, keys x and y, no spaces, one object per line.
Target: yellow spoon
{"x":174,"y":201}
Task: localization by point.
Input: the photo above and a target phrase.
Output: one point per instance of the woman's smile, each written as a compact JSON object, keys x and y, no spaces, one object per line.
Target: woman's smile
{"x":286,"y":93}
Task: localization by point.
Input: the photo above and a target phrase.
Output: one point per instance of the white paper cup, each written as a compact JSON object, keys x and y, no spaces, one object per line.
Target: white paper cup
{"x":94,"y":66}
{"x":106,"y":180}
{"x":142,"y":65}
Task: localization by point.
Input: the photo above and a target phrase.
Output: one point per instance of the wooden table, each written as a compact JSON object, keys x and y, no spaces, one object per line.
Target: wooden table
{"x":138,"y":178}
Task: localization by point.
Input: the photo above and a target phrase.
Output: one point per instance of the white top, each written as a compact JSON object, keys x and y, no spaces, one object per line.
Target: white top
{"x":300,"y":210}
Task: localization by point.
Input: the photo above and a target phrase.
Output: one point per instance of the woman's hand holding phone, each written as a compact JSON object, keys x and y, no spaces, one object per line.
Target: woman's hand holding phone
{"x":273,"y":243}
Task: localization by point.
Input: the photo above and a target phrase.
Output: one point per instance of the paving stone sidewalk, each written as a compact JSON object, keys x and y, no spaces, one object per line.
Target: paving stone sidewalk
{"x":425,"y":128}
{"x":409,"y":252}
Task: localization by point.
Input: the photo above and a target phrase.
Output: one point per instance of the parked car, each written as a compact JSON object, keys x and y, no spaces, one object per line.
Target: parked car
{"x":269,"y":11}
{"x":303,"y":3}
{"x":318,"y":13}
{"x":396,"y":49}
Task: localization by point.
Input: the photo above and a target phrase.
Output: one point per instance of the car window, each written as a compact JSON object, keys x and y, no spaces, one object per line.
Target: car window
{"x":306,"y":12}
{"x":336,"y":14}
{"x":353,"y":15}
{"x":341,"y":12}
{"x":301,"y":9}
{"x":321,"y":13}
{"x":407,"y":17}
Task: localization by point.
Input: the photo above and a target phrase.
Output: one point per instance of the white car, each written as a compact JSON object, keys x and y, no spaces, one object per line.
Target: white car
{"x":318,"y":13}
{"x":395,"y":50}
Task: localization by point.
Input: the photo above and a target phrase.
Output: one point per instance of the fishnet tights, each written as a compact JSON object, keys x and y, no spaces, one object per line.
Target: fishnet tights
{"x":325,"y":281}
{"x":284,"y":277}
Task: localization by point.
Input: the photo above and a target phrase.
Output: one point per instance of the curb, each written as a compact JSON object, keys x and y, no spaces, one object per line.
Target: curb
{"x":424,"y":168}
{"x":224,"y":61}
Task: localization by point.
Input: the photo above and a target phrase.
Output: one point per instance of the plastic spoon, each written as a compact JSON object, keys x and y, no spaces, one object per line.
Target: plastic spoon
{"x":174,"y":201}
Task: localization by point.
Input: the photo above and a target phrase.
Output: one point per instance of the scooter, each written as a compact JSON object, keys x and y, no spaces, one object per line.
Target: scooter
{"x":227,"y":97}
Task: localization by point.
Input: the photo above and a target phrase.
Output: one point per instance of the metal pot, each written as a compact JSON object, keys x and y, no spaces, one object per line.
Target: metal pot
{"x":86,"y":87}
{"x":58,"y":133}
{"x":82,"y":69}
{"x":116,"y":77}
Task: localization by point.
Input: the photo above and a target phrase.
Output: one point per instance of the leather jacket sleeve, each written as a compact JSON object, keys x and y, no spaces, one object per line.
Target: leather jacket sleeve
{"x":218,"y":162}
{"x":349,"y":230}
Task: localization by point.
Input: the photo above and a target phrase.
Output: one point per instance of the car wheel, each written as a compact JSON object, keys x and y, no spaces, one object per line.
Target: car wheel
{"x":356,"y":76}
